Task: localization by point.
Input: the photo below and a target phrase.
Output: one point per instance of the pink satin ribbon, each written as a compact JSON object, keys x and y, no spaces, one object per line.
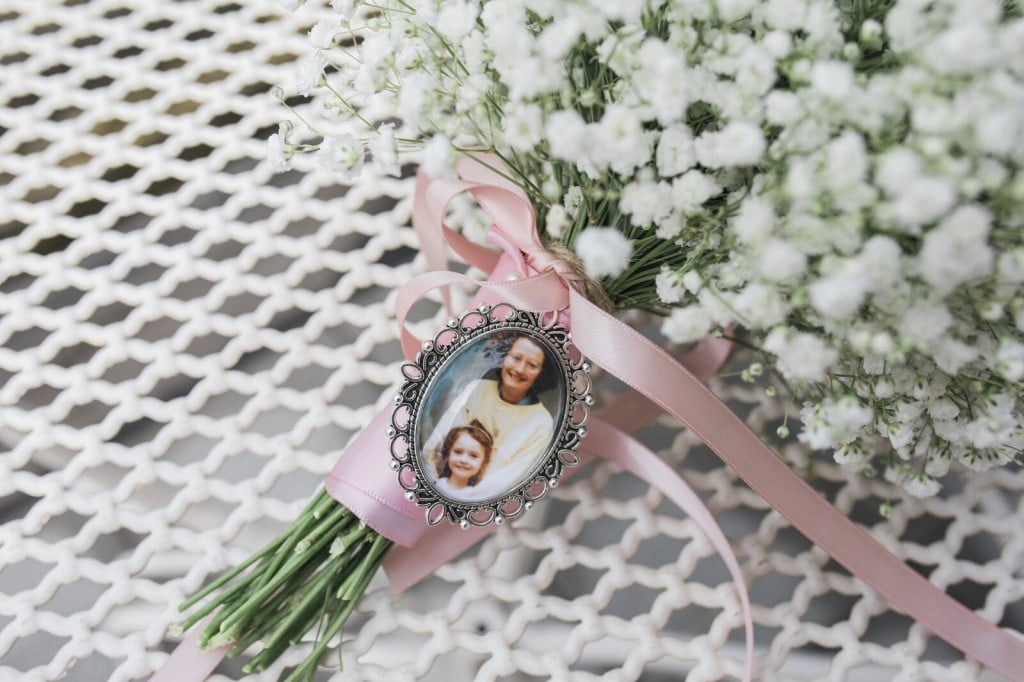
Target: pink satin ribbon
{"x":631,"y":357}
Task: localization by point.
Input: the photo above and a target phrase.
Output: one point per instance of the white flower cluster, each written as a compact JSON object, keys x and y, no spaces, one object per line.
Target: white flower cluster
{"x":847,"y":188}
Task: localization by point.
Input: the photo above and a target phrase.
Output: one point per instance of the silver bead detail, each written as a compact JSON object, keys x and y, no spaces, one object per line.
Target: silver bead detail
{"x":464,"y":524}
{"x":552,"y":482}
{"x":391,"y":432}
{"x":585,"y":366}
{"x":499,"y":519}
{"x":395,"y":465}
{"x":528,"y":504}
{"x":582,"y":431}
{"x":427,"y":346}
{"x":410,"y":495}
{"x":398,"y":400}
{"x":483,"y":309}
{"x":588,"y":399}
{"x":453,"y":323}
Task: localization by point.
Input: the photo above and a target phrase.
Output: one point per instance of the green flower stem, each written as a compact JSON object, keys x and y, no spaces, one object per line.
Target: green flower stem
{"x":269,"y":548}
{"x":268,"y":618}
{"x":321,"y":503}
{"x":368,"y":567}
{"x":225,"y":598}
{"x":355,"y":583}
{"x":232,"y":626}
{"x":344,"y":543}
{"x":315,"y":590}
{"x":310,"y":578}
{"x":235,"y":598}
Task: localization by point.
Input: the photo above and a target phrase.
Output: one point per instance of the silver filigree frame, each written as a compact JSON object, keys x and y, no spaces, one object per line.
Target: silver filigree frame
{"x":431,"y":361}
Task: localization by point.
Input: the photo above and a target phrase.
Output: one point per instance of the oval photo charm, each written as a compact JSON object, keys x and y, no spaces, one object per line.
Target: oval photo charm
{"x":491,"y":413}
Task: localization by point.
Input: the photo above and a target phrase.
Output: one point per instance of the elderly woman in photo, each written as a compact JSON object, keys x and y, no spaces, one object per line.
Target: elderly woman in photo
{"x":505,"y":403}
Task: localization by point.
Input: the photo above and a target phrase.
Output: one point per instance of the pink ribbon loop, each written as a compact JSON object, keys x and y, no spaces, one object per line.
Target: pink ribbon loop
{"x":541,"y":292}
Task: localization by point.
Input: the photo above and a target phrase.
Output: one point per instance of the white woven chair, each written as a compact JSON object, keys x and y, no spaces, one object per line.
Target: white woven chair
{"x":187,"y":340}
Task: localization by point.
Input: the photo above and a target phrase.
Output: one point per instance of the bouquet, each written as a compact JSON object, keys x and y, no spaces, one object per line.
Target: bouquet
{"x":838,"y":182}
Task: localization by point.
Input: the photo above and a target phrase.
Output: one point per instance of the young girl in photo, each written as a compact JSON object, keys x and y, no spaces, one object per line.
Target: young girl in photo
{"x":463,"y":457}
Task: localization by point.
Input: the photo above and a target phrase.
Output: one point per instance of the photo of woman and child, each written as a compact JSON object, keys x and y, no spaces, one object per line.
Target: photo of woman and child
{"x":493,"y":433}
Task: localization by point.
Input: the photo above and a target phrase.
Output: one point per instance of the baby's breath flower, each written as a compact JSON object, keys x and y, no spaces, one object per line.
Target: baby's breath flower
{"x":343,"y":9}
{"x":833,"y":80}
{"x":943,"y":409}
{"x":675,"y":153}
{"x":605,"y":251}
{"x":692,"y":281}
{"x":924,"y":323}
{"x":310,"y":72}
{"x":557,"y":221}
{"x":1010,"y":360}
{"x":669,"y":287}
{"x":738,"y":144}
{"x":384,"y":149}
{"x":619,"y":140}
{"x":524,"y":127}
{"x":567,"y":135}
{"x":802,"y":356}
{"x":647,"y":202}
{"x":839,"y":293}
{"x":783,"y":107}
{"x":573,"y":200}
{"x":951,"y":355}
{"x":455,"y":20}
{"x":884,"y":388}
{"x":755,"y":220}
{"x":760,"y":305}
{"x":780,"y":260}
{"x":691,"y":190}
{"x":685,"y":325}
{"x":922,"y":486}
{"x":341,"y":154}
{"x":321,"y":36}
{"x":277,"y":153}
{"x":956,"y":251}
{"x":439,"y":158}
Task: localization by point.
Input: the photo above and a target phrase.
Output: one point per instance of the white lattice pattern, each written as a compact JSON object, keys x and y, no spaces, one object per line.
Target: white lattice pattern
{"x":187,"y":340}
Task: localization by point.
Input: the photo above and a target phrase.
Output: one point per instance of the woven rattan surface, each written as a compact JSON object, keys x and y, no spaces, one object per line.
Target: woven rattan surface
{"x":189,"y":337}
